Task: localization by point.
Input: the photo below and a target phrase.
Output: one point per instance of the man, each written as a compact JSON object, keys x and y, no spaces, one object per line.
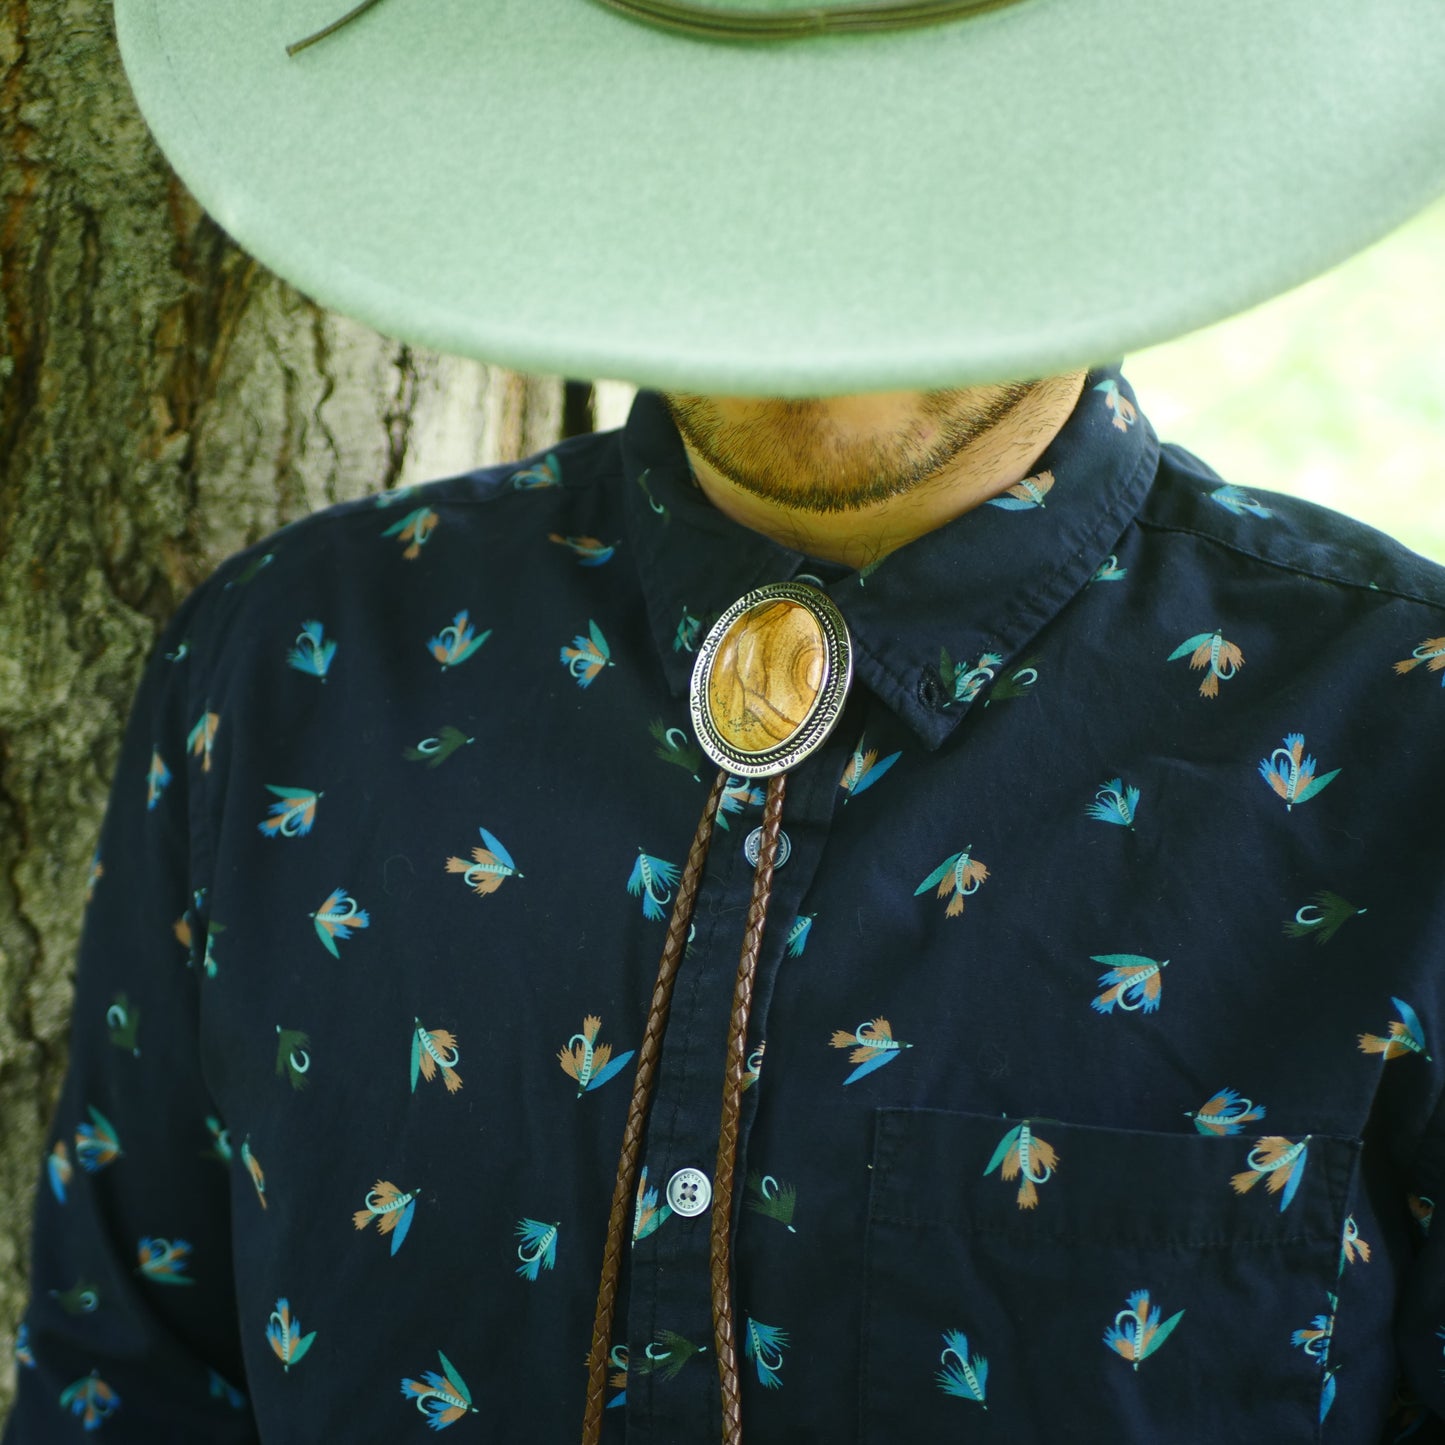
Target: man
{"x":853,"y":478}
{"x":1043,"y":1047}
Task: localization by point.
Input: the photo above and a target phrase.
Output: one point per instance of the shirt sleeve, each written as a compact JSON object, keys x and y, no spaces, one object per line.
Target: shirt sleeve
{"x":1421,"y":1317}
{"x":131,"y":1324}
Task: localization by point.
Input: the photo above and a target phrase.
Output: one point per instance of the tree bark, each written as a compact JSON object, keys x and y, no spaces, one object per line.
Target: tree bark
{"x":164,"y":401}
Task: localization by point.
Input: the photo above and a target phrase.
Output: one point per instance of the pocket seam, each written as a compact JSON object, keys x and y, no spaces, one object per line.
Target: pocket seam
{"x":1144,"y":1242}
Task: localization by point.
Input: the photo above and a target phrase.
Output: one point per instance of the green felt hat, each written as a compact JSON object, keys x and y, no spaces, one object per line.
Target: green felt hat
{"x":1019,"y":188}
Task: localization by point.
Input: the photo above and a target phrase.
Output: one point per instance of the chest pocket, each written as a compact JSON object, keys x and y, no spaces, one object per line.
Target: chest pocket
{"x":1035,"y":1281}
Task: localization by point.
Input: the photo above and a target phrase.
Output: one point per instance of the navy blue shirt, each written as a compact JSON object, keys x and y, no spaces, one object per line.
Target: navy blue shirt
{"x":1099,"y":1029}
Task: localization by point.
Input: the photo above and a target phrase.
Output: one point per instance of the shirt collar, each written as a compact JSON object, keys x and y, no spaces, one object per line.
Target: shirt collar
{"x":939,"y":621}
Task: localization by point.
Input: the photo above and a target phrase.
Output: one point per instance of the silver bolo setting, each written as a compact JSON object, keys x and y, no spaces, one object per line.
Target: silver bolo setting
{"x":770,"y":679}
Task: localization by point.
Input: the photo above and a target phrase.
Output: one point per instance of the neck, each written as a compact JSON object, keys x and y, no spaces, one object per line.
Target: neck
{"x":860,"y":535}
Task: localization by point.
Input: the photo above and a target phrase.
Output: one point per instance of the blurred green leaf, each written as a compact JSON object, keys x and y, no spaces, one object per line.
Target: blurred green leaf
{"x":1334,"y":391}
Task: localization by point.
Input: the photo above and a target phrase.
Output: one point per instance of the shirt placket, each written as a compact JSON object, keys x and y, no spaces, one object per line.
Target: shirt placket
{"x":669,"y":1284}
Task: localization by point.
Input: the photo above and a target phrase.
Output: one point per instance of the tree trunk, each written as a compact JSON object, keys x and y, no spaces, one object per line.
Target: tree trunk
{"x":164,"y":401}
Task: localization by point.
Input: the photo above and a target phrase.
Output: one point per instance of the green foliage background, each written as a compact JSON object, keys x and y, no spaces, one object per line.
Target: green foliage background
{"x":1334,"y":391}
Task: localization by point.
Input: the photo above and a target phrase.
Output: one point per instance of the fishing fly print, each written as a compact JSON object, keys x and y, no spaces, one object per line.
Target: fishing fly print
{"x":312,"y":652}
{"x":1131,"y":983}
{"x":82,"y":1298}
{"x":1022,"y":1155}
{"x":415,"y":529}
{"x":666,"y":1355}
{"x":253,"y":1168}
{"x":293,"y":1056}
{"x":434,"y":751}
{"x":1315,"y":1342}
{"x":96,"y":1144}
{"x":1431,"y":652}
{"x":618,"y":1358}
{"x":220,"y":1149}
{"x":1352,"y":1247}
{"x":737,"y":794}
{"x":443,"y":1398}
{"x":648,"y":1215}
{"x":1322,"y":917}
{"x":797,"y":939}
{"x":122,"y":1024}
{"x":454,"y":644}
{"x":652,"y":879}
{"x":659,"y":509}
{"x":765,"y":1346}
{"x":538,"y":1247}
{"x":964,"y":1375}
{"x":158,"y":778}
{"x":546,"y":473}
{"x":1016,"y":682}
{"x":587,"y":1062}
{"x":1404,"y":1036}
{"x":589,"y":551}
{"x":865,"y":768}
{"x":1137,"y":1331}
{"x":433,"y":1052}
{"x":675,"y":745}
{"x":164,"y":1260}
{"x":390,"y":1209}
{"x":252,"y":571}
{"x":283,"y":1334}
{"x":90,"y":1400}
{"x":872,"y":1046}
{"x":338,"y":917}
{"x":688,"y":632}
{"x":1226,"y":1113}
{"x":1115,"y":802}
{"x":1125,"y":413}
{"x":587,"y":656}
{"x":490,"y":866}
{"x":960,"y":875}
{"x":964,"y":681}
{"x":1209,"y":652}
{"x":1236,"y":500}
{"x":1280,"y":1162}
{"x":1025,"y":495}
{"x":1291,"y":772}
{"x":293,"y":815}
{"x":773,"y":1200}
{"x":58,"y":1170}
{"x":201,"y":740}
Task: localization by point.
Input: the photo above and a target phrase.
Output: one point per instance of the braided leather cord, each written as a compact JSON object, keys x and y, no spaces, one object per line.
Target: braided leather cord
{"x":625,"y":1186}
{"x":724,"y":1334}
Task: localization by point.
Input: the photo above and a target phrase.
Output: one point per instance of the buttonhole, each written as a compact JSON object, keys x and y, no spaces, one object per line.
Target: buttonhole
{"x":930,"y":689}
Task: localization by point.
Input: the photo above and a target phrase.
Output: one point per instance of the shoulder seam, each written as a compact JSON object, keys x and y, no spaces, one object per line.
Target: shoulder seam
{"x":1292,"y":567}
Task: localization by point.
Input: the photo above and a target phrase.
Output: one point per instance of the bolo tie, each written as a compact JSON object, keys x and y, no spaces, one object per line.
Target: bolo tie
{"x":767,"y":688}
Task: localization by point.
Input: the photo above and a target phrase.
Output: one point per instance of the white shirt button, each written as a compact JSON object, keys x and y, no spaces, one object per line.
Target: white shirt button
{"x":689,"y":1192}
{"x":753,"y":846}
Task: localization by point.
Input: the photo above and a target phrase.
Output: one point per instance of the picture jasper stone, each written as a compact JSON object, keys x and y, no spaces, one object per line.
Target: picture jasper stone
{"x":768,"y":674}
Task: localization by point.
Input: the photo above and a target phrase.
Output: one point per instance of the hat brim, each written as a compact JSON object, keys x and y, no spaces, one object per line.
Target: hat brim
{"x":551,"y":186}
